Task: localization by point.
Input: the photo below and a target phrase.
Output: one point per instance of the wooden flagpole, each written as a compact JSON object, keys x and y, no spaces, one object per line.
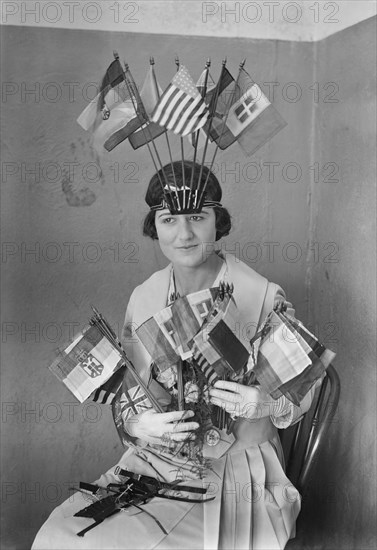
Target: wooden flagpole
{"x":204,"y":91}
{"x":151,"y":61}
{"x":182,"y":151}
{"x":213,"y":110}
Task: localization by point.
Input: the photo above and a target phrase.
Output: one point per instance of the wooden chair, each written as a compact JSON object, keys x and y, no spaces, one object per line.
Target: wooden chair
{"x":303,"y":441}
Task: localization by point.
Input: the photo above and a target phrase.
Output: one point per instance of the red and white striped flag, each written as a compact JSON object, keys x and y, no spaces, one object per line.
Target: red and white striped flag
{"x":181,"y":108}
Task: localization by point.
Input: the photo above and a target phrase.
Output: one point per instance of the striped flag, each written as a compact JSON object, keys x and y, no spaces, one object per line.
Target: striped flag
{"x":289,"y":359}
{"x":208,"y":371}
{"x":87,"y":363}
{"x":106,"y":393}
{"x":181,"y":108}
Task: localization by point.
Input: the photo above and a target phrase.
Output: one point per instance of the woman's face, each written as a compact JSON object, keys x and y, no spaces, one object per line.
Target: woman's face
{"x":186,"y":239}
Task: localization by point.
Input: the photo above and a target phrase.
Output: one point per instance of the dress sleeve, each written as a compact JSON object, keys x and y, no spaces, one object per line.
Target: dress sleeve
{"x":285,"y":413}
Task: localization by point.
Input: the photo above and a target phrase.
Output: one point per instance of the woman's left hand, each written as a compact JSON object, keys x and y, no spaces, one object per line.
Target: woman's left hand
{"x":244,"y":401}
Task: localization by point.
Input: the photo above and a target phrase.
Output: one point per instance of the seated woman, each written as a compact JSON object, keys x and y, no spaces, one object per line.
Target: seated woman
{"x":253,"y":504}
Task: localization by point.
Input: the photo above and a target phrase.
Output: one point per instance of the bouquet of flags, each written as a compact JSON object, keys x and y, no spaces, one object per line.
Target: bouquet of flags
{"x":285,"y":359}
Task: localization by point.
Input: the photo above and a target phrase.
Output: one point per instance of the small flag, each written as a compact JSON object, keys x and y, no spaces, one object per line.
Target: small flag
{"x":168,"y":334}
{"x":289,"y":359}
{"x":201,"y":84}
{"x":217,"y":341}
{"x":87,"y":363}
{"x":252,"y":120}
{"x":208,"y":371}
{"x":106,"y":393}
{"x":99,"y":108}
{"x":111,"y":116}
{"x":198,"y":139}
{"x":133,"y":401}
{"x":181,"y":108}
{"x":150,"y":94}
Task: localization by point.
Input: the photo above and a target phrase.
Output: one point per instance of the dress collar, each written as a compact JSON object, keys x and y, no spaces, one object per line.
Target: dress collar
{"x":221,"y":276}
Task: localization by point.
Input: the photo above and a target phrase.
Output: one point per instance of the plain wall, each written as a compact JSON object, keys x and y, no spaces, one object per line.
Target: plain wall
{"x":51,"y":291}
{"x":341,"y":507}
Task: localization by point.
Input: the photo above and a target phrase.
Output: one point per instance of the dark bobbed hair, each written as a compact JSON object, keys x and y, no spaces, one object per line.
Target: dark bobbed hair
{"x":154,"y":194}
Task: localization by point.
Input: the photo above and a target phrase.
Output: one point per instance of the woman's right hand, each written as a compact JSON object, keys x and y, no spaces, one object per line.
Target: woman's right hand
{"x":161,"y":428}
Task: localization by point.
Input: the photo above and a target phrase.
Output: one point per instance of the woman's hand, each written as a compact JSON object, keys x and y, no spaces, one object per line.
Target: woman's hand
{"x":250,"y":402}
{"x":161,"y":428}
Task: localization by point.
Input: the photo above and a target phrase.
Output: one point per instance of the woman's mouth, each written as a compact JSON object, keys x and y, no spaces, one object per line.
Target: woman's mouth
{"x":187,"y":247}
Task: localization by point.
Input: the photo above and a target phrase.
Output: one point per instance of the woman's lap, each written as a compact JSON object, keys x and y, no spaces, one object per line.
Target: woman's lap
{"x":124,"y":530}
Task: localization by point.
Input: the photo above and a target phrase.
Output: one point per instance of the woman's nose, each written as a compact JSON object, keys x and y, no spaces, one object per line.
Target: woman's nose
{"x":185,"y":229}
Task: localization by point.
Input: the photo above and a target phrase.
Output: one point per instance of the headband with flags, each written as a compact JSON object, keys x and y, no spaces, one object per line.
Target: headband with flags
{"x":229,"y":111}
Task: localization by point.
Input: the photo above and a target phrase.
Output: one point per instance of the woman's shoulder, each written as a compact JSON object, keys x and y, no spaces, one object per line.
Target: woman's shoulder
{"x":254,"y":293}
{"x":152,"y":293}
{"x":238,"y":268}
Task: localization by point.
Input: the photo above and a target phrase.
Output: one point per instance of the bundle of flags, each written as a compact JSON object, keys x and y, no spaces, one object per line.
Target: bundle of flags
{"x":199,"y":326}
{"x":233,"y":110}
{"x":287,"y":359}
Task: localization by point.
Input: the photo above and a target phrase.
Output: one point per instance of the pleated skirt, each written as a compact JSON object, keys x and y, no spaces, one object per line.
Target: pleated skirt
{"x":255,"y":507}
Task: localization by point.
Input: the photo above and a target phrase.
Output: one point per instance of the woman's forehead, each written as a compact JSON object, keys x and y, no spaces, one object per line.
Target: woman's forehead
{"x":166,"y":212}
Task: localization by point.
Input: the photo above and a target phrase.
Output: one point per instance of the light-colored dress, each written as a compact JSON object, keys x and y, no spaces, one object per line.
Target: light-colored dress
{"x":255,"y":505}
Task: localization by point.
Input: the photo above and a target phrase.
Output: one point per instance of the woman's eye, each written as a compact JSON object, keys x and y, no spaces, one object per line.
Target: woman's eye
{"x":168,"y":220}
{"x":196,"y":218}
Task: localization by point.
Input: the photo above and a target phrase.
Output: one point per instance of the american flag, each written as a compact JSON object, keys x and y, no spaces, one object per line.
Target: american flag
{"x":181,"y":108}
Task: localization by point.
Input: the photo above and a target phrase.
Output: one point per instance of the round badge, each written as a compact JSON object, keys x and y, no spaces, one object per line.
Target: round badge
{"x":212,"y":437}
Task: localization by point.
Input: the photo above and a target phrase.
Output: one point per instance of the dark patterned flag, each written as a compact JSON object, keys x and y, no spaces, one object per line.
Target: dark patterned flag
{"x":87,"y":363}
{"x":181,"y":108}
{"x":217,"y":342}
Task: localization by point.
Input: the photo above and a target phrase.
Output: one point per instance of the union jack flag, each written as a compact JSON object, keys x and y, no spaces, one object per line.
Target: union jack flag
{"x":133,"y":401}
{"x":181,"y":108}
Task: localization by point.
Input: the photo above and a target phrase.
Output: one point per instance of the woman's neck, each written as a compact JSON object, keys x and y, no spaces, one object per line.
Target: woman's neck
{"x":193,"y":279}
